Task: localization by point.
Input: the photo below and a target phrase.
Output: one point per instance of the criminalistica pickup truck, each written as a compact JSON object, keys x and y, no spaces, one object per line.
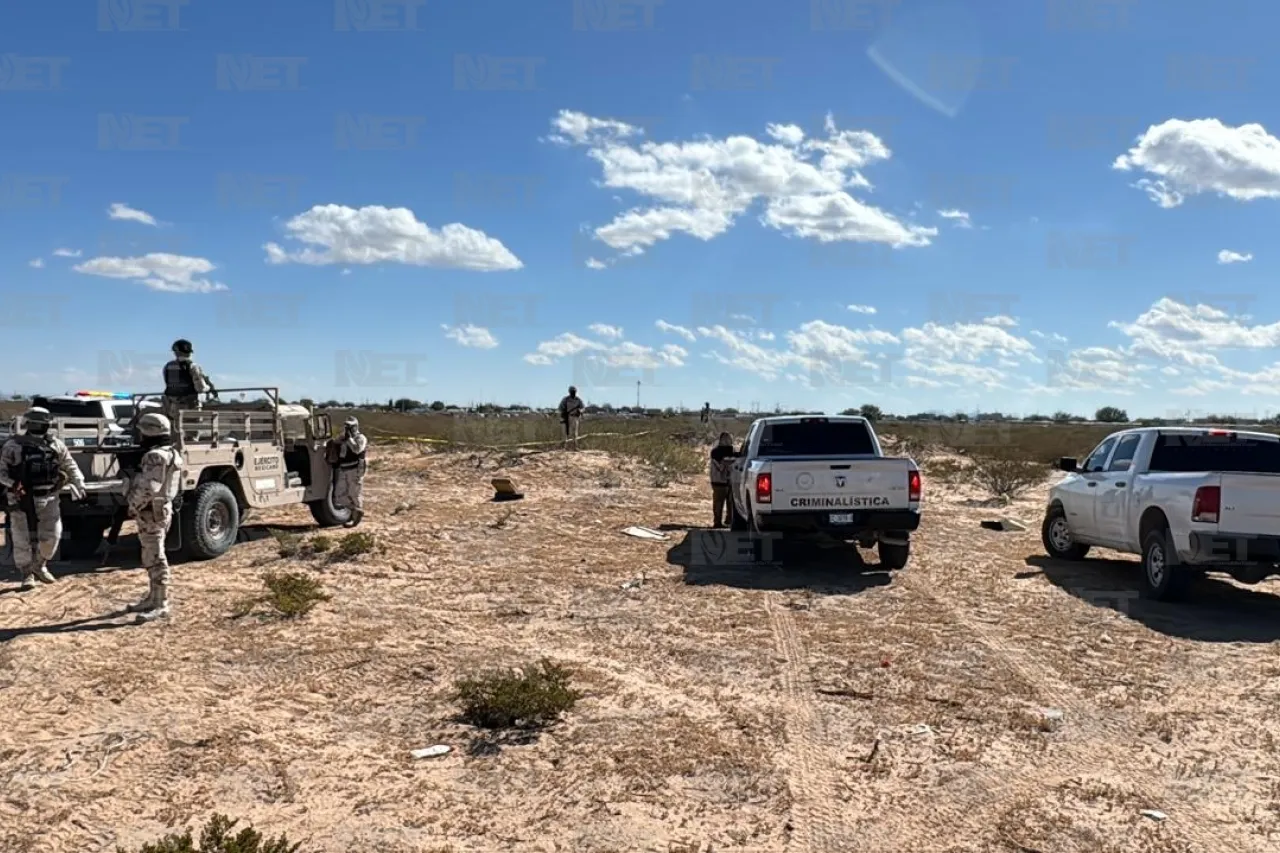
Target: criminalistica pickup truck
{"x":829,"y":474}
{"x":1189,"y":500}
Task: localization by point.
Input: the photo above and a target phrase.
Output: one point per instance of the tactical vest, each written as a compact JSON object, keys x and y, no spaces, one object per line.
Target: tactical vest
{"x":348,"y":460}
{"x":178,"y":381}
{"x":38,"y":470}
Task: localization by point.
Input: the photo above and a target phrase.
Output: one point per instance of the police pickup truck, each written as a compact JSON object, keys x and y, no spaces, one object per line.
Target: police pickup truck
{"x":82,"y":412}
{"x":1190,"y":500}
{"x":807,"y":473}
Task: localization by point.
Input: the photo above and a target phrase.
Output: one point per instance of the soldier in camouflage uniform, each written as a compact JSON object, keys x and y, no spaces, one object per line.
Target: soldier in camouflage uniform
{"x":348,"y":485}
{"x":150,"y":497}
{"x":33,"y":468}
{"x":184,"y":382}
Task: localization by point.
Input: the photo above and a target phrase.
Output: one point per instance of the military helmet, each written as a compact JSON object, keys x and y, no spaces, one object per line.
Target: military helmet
{"x":182,"y":346}
{"x":573,"y":389}
{"x":37,"y":420}
{"x":152,"y":425}
{"x":351,"y":422}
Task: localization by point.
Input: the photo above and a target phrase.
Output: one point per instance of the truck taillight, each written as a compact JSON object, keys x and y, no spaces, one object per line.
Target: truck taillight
{"x":1206,"y":504}
{"x":764,"y":488}
{"x":913,"y":486}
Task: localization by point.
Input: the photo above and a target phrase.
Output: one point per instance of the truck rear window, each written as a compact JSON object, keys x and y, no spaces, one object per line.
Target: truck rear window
{"x":70,"y":408}
{"x":838,"y":438}
{"x":1234,"y":454}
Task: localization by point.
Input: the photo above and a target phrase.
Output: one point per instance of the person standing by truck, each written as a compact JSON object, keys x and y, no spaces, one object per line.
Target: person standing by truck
{"x":150,"y":498}
{"x":34,"y":467}
{"x":347,"y":455}
{"x":722,"y":456}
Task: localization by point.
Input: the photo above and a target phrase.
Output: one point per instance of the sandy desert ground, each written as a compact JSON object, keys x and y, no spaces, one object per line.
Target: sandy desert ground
{"x":803,"y":704}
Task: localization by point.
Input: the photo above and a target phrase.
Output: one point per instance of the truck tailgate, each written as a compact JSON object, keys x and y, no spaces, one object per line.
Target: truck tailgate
{"x":870,"y":483}
{"x":1250,"y":504}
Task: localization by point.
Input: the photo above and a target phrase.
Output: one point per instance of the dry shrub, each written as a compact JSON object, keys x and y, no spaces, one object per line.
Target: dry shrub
{"x":354,"y":544}
{"x":531,"y":698}
{"x":1007,"y":477}
{"x":293,"y":594}
{"x":216,"y":837}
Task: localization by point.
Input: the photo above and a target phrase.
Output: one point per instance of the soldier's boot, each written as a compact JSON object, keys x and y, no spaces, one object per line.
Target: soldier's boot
{"x":28,"y":582}
{"x":159,"y":604}
{"x":42,"y":574}
{"x":147,"y":603}
{"x":357,"y":516}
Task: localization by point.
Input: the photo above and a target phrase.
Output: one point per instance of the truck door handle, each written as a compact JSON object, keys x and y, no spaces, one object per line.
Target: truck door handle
{"x":1093,"y":484}
{"x":1120,"y":485}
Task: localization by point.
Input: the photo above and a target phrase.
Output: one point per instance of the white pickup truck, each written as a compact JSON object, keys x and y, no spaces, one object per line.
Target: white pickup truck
{"x":1189,"y":500}
{"x":807,"y":473}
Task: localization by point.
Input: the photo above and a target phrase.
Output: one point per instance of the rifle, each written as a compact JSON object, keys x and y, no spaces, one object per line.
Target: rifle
{"x":113,"y":535}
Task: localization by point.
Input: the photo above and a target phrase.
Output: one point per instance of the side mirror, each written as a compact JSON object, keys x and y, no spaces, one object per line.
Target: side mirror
{"x":1068,"y":464}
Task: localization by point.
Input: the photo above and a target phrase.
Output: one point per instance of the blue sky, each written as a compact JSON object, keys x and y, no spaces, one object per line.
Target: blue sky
{"x":1048,"y":206}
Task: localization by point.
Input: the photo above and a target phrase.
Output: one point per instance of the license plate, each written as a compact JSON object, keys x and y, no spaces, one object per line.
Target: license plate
{"x":842,"y":518}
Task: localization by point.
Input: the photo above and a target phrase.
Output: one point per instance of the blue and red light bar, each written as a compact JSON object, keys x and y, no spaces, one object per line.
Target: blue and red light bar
{"x":110,"y":395}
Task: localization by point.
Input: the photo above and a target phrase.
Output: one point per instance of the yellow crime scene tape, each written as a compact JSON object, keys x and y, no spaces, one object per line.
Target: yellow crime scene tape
{"x":420,"y":440}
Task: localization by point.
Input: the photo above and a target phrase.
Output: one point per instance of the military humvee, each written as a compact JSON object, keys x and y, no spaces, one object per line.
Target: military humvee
{"x":239,"y":458}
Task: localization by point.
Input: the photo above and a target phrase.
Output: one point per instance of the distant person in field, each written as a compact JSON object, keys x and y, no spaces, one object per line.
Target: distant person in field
{"x":706,"y":412}
{"x":571,"y":416}
{"x":722,"y":456}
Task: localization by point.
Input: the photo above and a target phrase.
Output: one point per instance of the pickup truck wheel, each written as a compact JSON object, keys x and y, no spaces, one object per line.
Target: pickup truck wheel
{"x":893,"y":556}
{"x":1055,"y":533}
{"x":210,"y":521}
{"x":1163,"y":579}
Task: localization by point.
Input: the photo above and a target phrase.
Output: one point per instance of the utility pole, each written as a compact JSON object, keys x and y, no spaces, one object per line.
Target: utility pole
{"x":637,"y":393}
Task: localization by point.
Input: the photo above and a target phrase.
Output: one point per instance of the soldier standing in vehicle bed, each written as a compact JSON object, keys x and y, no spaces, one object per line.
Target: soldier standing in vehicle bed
{"x":33,"y":468}
{"x":184,"y":382}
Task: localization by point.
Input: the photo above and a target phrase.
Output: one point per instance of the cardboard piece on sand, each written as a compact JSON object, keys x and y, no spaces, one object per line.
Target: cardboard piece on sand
{"x":504,"y":489}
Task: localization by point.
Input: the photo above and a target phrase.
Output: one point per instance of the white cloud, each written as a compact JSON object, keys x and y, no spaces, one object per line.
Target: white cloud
{"x":620,"y":354}
{"x":1187,"y":158}
{"x":955,"y":353}
{"x":375,"y":234}
{"x":605,"y":331}
{"x":1172,"y":331}
{"x":36,"y":262}
{"x":129,"y":214}
{"x":702,"y":186}
{"x":1053,"y":337}
{"x":477,"y":337}
{"x":594,"y":264}
{"x":66,"y":253}
{"x":1226,"y":256}
{"x":861,"y":309}
{"x":158,"y":271}
{"x":960,"y":218}
{"x":1001,"y":320}
{"x":663,"y":325}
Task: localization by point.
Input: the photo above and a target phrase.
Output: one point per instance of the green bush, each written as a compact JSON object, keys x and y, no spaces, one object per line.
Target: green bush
{"x":216,"y":837}
{"x":531,"y":698}
{"x":354,"y":544}
{"x":293,"y":594}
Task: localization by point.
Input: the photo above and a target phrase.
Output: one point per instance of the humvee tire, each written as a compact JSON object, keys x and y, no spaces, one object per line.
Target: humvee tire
{"x":81,"y":537}
{"x":328,"y":515}
{"x":210,"y":520}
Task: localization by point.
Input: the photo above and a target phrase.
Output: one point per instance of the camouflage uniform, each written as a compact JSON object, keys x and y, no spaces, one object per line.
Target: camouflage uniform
{"x":348,"y":483}
{"x":32,"y":558}
{"x":571,"y":416}
{"x":150,"y":498}
{"x":184,"y":382}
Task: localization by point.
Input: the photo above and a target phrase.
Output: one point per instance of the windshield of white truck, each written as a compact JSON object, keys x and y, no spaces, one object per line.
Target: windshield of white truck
{"x":818,"y":438}
{"x":1235,"y":454}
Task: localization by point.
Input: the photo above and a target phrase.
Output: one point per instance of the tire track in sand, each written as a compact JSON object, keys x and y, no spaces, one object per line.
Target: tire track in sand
{"x":812,"y":776}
